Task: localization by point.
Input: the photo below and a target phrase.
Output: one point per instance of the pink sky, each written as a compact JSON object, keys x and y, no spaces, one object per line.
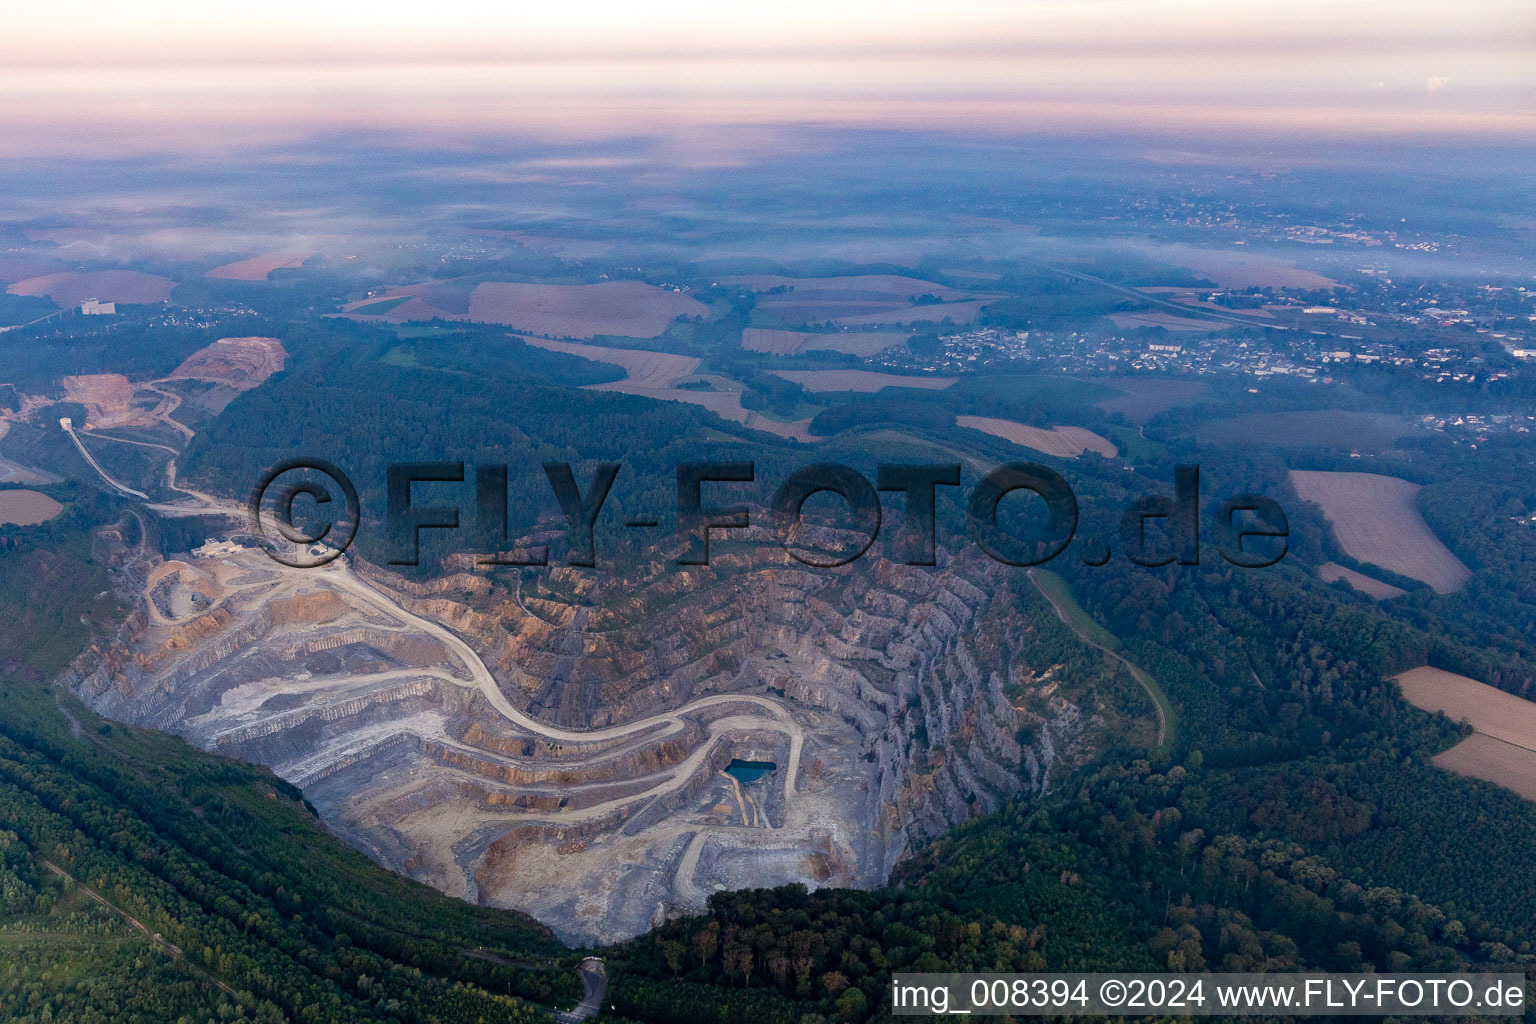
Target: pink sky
{"x":86,"y":76}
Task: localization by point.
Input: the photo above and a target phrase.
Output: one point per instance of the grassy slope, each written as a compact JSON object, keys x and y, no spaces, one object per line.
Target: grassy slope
{"x":1059,"y":592}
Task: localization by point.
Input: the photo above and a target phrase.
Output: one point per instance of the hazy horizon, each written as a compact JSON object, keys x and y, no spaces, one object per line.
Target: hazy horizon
{"x":92,"y":79}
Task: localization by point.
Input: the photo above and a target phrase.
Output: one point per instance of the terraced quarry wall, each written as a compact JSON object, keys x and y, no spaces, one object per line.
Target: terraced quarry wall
{"x":556,"y":742}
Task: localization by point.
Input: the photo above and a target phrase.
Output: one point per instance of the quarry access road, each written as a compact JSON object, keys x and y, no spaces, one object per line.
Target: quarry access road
{"x":341,"y":576}
{"x":769,"y":716}
{"x":795,"y":825}
{"x":123,"y":489}
{"x":594,"y":983}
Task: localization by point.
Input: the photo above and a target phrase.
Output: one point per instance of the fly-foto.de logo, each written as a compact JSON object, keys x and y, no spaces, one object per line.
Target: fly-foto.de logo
{"x":1154,"y":530}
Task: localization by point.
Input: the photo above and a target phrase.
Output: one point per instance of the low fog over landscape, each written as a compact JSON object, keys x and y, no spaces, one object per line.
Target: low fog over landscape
{"x":1256,"y":287}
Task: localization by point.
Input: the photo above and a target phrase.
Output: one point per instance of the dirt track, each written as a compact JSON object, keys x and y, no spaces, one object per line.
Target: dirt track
{"x":136,"y":924}
{"x":1134,"y":670}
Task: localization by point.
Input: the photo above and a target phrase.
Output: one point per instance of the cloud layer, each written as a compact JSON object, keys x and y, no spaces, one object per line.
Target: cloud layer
{"x":78,"y":73}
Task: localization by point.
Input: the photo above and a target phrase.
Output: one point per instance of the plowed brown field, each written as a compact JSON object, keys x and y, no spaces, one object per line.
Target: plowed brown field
{"x":866,"y":381}
{"x":71,"y":289}
{"x":1368,"y":585}
{"x":651,"y":375}
{"x":27,"y":508}
{"x":1376,"y":519}
{"x":258,"y":268}
{"x":1503,"y":748}
{"x":1064,"y":442}
{"x":625,"y":308}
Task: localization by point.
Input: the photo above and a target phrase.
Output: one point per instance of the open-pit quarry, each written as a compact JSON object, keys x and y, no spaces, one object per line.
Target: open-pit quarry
{"x":556,"y":741}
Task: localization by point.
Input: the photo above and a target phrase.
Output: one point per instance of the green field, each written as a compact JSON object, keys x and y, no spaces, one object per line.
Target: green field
{"x":1316,"y":428}
{"x":410,"y":332}
{"x":381,"y":307}
{"x":1134,"y":448}
{"x":1139,"y":399}
{"x":1059,"y":591}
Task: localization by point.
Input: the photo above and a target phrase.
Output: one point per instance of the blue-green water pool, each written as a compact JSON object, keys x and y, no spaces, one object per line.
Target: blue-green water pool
{"x":749,"y":771}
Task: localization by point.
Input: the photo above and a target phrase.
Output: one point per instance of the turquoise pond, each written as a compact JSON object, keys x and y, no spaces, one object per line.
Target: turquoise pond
{"x":749,"y":771}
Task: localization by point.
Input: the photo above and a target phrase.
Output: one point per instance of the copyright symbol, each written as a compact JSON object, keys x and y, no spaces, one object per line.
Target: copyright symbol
{"x":1112,"y":992}
{"x":273,"y":499}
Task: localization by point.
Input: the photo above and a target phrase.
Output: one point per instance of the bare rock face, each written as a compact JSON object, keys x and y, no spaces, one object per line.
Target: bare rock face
{"x":558,"y":742}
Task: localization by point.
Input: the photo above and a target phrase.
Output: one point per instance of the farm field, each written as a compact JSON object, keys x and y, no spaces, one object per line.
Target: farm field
{"x":1483,"y":757}
{"x":1063,"y":442}
{"x":626,"y":308}
{"x":14,"y":472}
{"x":1490,"y":710}
{"x":958,"y":312}
{"x":71,"y":288}
{"x":859,"y":287}
{"x":1243,"y":270}
{"x":725,"y":404}
{"x":652,"y":374}
{"x":1315,"y":428}
{"x":630,"y":309}
{"x":1145,"y":397}
{"x":790,"y":343}
{"x":15,"y":268}
{"x":27,"y":508}
{"x":1167,"y":321}
{"x":642,"y":368}
{"x":865,"y":381}
{"x":860,"y":301}
{"x":1367,"y":585}
{"x":378,"y":307}
{"x":1502,"y":750}
{"x":1375,"y":519}
{"x":259,"y":268}
{"x":430,"y":300}
{"x":406,"y":309}
{"x":1059,"y":593}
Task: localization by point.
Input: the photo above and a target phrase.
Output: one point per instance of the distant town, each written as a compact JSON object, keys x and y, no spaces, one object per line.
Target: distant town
{"x":1478,"y":342}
